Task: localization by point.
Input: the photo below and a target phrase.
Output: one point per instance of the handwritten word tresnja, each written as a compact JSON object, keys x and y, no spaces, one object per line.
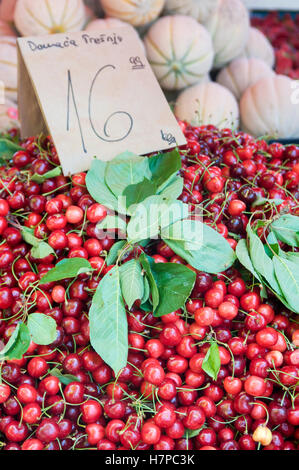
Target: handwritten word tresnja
{"x":86,"y":39}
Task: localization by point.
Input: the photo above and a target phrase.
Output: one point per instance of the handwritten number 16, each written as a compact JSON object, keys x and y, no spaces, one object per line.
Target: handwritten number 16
{"x":105,"y":137}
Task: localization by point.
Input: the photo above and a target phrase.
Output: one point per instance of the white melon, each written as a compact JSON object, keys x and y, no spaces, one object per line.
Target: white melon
{"x":199,"y":9}
{"x":179,"y":50}
{"x":43,"y":17}
{"x":258,"y":46}
{"x":241,"y":74}
{"x":208,"y":103}
{"x":136,"y":12}
{"x":229,"y":26}
{"x":271,"y":107}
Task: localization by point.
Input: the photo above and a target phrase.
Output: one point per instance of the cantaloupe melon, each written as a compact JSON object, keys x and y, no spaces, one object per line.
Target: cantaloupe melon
{"x":242,"y":73}
{"x":229,"y":26}
{"x":179,"y":50}
{"x":42,"y":17}
{"x":259,"y":46}
{"x":103,"y":23}
{"x":270,"y":107}
{"x":208,"y":103}
{"x":136,"y":12}
{"x":199,"y":9}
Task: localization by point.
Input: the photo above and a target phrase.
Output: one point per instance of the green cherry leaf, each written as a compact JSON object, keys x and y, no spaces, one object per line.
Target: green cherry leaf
{"x":67,"y":268}
{"x":18,"y":343}
{"x":286,"y":229}
{"x":163,"y":166}
{"x":96,"y":186}
{"x":8,"y":149}
{"x":65,"y":379}
{"x":132,"y":284}
{"x":287,"y":274}
{"x":108,"y":322}
{"x":175,"y":283}
{"x":115,"y":252}
{"x":50,"y":174}
{"x":211,"y":363}
{"x":124,"y":170}
{"x":42,"y":328}
{"x":200,"y":245}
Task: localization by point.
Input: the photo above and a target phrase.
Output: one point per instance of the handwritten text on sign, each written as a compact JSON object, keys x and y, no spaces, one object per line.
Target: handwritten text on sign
{"x":95,"y":94}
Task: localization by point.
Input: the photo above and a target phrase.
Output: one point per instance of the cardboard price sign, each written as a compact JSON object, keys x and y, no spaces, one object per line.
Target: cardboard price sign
{"x":95,"y":94}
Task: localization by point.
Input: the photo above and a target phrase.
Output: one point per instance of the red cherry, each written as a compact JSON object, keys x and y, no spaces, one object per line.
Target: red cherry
{"x":255,"y":386}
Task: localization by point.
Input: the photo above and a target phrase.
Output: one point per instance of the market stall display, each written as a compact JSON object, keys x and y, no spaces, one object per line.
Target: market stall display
{"x":88,"y":354}
{"x":149,"y":303}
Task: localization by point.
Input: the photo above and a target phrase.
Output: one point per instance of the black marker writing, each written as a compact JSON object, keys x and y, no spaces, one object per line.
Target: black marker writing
{"x":69,"y":92}
{"x":103,"y":38}
{"x":60,"y":45}
{"x":137,"y":63}
{"x":107,"y":138}
{"x":92,"y":101}
{"x":168,"y":137}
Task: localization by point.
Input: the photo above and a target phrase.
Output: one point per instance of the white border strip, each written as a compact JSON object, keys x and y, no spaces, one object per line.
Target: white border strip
{"x":289,"y":5}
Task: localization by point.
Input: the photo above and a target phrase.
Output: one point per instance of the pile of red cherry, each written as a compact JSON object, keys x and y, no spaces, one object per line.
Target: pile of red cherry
{"x":163,"y":399}
{"x":283,"y":33}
